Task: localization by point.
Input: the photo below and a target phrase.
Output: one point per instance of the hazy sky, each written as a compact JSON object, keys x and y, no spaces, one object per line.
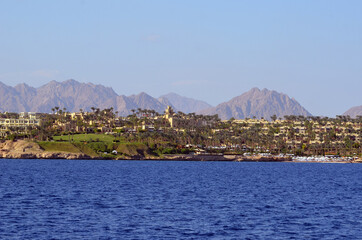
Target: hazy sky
{"x":208,"y":50}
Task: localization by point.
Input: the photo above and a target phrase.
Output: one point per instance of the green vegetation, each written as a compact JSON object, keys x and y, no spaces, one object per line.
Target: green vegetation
{"x":102,"y":146}
{"x":147,"y":133}
{"x":86,"y":149}
{"x":92,"y":137}
{"x":59,"y":147}
{"x":95,"y":149}
{"x":133,"y":149}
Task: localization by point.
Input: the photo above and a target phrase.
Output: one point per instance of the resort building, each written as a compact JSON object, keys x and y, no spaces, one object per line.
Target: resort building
{"x":21,"y":124}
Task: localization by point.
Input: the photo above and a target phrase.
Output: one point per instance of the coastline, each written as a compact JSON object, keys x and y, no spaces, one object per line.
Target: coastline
{"x":31,"y":150}
{"x":186,"y":157}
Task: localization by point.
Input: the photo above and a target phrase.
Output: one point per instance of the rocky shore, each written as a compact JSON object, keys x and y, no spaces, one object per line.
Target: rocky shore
{"x":22,"y":149}
{"x":230,"y":158}
{"x":30,"y":150}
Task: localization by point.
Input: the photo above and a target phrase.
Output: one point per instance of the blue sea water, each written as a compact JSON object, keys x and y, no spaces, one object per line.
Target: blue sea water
{"x":85,"y":199}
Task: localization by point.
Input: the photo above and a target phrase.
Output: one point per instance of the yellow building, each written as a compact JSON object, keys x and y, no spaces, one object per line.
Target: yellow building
{"x":21,"y":125}
{"x":169,"y":115}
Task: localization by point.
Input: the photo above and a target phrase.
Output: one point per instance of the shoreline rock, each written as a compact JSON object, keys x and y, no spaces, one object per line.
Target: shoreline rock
{"x":23,"y":149}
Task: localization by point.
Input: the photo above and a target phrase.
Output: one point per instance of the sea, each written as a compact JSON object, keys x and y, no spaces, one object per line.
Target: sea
{"x":95,"y":199}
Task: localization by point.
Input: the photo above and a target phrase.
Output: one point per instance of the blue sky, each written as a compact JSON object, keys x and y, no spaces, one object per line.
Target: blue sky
{"x":208,"y":50}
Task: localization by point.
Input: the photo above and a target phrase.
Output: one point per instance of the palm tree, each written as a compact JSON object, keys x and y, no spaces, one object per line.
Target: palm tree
{"x":274,"y":117}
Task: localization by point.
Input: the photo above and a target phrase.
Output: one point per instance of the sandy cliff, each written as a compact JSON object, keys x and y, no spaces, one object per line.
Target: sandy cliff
{"x":27,"y":150}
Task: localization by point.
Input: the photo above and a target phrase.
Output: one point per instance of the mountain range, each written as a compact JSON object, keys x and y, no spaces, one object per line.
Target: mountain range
{"x":258,"y":103}
{"x":186,"y":105}
{"x":74,"y":96}
{"x":354,"y":111}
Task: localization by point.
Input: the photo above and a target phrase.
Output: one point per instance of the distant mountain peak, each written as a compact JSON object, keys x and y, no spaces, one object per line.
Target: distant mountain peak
{"x":184,"y":104}
{"x":142,"y":94}
{"x":51,"y":83}
{"x":22,"y":85}
{"x":354,"y":111}
{"x":172,"y":94}
{"x":71,"y":81}
{"x":259,"y":103}
{"x":73,"y":95}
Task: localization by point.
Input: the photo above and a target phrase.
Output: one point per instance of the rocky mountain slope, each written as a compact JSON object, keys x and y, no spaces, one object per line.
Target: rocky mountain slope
{"x":73,"y":96}
{"x":69,"y":94}
{"x":124,"y":104}
{"x":259,"y":103}
{"x":184,"y":104}
{"x":354,"y":111}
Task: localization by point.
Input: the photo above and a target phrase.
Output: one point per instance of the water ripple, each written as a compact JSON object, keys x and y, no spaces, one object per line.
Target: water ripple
{"x":58,"y":199}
